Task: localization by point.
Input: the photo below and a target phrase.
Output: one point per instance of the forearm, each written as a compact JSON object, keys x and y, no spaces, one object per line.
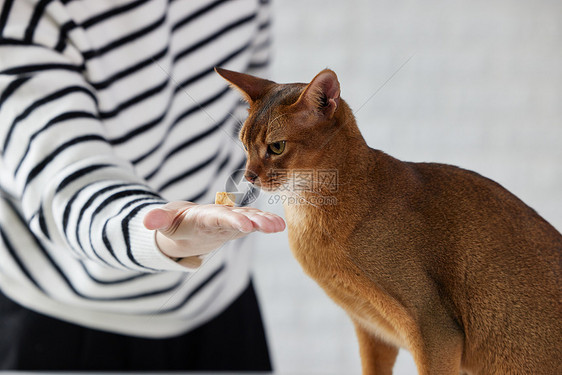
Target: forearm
{"x":72,"y":188}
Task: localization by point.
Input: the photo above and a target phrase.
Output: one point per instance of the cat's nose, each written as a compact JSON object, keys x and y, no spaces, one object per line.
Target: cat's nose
{"x":251,"y":176}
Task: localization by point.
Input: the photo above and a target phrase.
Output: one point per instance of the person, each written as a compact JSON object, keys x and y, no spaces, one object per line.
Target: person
{"x":115,"y":135}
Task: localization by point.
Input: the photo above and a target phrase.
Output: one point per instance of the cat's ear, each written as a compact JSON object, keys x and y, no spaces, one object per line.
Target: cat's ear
{"x":322,"y":94}
{"x":252,"y":88}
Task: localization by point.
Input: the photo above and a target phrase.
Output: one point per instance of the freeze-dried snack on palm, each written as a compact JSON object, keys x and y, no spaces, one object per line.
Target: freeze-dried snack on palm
{"x":226,"y":199}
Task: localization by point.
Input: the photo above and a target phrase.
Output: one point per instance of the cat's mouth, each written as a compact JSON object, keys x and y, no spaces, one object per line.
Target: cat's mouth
{"x":270,"y":182}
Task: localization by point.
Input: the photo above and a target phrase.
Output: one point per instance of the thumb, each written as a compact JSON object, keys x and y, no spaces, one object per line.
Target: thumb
{"x":159,"y":219}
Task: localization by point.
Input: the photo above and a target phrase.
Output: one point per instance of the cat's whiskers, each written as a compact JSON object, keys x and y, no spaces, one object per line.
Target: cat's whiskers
{"x":272,"y":185}
{"x":238,"y":121}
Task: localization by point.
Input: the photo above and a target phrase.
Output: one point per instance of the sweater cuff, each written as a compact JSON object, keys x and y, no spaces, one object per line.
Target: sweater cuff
{"x":145,"y":249}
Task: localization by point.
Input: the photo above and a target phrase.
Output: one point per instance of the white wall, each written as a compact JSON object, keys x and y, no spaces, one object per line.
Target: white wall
{"x":473,"y":83}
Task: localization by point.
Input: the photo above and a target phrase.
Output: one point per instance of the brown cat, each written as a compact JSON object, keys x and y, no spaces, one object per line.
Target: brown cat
{"x":428,"y":257}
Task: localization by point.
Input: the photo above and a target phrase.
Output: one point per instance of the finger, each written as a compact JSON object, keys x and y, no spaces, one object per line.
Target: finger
{"x":157,"y":219}
{"x":162,"y":218}
{"x":238,"y":221}
{"x":219,"y":217}
{"x":246,"y":209}
{"x":273,"y":223}
{"x":277,"y":221}
{"x":266,"y":222}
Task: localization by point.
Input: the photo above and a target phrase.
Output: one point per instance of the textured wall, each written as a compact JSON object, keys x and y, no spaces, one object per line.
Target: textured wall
{"x":473,"y":83}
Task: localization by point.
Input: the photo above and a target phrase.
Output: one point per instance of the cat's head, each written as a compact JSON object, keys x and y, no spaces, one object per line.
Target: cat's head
{"x":290,"y":128}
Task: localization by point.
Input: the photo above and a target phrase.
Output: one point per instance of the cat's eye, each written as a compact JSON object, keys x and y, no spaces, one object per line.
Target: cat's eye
{"x":276,"y":148}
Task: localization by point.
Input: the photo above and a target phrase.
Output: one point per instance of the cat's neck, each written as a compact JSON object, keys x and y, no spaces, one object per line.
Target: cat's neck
{"x":365,"y":179}
{"x":349,"y":156}
{"x":347,"y":170}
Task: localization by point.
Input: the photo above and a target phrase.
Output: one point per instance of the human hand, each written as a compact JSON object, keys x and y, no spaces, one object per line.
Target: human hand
{"x":188,"y":230}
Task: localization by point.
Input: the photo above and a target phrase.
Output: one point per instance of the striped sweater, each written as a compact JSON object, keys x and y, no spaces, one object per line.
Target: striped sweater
{"x":109,"y":109}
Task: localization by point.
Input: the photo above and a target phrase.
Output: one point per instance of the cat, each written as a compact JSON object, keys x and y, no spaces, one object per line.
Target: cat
{"x":423,"y":256}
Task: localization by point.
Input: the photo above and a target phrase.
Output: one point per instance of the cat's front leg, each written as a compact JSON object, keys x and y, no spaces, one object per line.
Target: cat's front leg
{"x":439,"y":349}
{"x":377,"y":356}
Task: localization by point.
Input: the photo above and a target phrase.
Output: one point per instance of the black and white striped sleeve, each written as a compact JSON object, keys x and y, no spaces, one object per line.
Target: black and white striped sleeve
{"x":72,"y":187}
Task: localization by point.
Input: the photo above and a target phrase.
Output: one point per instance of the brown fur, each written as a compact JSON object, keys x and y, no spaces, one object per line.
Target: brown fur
{"x":428,"y":257}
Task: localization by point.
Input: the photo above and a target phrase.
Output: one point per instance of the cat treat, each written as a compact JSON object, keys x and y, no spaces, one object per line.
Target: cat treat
{"x":226,"y":199}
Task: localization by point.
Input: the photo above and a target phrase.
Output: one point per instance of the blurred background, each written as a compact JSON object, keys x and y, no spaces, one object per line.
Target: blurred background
{"x":473,"y":83}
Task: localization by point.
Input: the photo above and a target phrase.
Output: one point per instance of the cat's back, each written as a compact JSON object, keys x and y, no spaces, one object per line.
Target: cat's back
{"x":436,"y":189}
{"x":447,"y":207}
{"x":481,"y":204}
